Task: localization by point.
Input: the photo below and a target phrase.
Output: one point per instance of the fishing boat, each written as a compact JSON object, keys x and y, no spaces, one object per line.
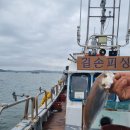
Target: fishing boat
{"x":62,"y":108}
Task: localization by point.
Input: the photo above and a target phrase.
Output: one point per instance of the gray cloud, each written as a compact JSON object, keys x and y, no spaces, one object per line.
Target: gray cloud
{"x":37,"y":34}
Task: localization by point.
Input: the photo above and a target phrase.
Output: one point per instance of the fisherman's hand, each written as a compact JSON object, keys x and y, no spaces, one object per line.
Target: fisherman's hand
{"x":121,"y":85}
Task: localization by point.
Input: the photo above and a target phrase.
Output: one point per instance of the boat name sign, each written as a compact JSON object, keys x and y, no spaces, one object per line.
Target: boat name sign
{"x":103,"y":63}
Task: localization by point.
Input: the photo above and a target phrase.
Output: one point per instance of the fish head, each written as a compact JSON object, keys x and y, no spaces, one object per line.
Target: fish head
{"x":107,"y":80}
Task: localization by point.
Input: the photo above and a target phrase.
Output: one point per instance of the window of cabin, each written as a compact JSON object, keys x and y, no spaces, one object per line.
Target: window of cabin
{"x":79,"y":86}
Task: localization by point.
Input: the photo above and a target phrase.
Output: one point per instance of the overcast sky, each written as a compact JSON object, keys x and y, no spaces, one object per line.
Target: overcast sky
{"x":40,"y":34}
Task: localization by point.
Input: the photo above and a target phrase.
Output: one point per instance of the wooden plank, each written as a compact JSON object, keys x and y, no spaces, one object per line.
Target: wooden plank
{"x":103,"y":63}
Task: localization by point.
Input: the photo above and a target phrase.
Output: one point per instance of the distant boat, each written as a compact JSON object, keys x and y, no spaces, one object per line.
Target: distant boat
{"x":35,"y":72}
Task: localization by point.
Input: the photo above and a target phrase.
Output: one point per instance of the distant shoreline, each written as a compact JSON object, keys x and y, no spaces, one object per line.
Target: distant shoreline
{"x":31,"y":71}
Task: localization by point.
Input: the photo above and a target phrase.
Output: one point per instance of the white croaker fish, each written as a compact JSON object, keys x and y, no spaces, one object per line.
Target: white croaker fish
{"x":96,"y":98}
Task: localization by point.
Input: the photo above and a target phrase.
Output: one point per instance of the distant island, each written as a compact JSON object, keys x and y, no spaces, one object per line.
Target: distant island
{"x":31,"y":71}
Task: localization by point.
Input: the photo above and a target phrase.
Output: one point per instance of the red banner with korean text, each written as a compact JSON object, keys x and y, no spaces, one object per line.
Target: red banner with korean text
{"x":103,"y":63}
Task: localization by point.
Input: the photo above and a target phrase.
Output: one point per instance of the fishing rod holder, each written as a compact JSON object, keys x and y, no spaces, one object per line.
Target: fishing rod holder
{"x":73,"y":58}
{"x":41,"y":89}
{"x":15,"y":96}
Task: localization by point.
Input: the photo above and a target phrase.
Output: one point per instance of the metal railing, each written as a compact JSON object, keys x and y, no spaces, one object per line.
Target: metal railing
{"x":34,"y":102}
{"x":26,"y":100}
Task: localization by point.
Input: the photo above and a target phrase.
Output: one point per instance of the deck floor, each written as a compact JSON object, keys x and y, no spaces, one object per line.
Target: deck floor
{"x":57,"y":120}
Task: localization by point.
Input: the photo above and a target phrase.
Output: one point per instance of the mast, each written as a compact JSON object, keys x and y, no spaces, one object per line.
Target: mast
{"x":103,"y":17}
{"x":107,"y":40}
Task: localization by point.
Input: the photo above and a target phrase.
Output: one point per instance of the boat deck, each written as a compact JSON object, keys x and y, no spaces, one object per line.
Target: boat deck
{"x":57,"y":120}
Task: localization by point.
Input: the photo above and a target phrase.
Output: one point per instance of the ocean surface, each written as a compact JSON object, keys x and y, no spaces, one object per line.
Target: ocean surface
{"x":21,"y":82}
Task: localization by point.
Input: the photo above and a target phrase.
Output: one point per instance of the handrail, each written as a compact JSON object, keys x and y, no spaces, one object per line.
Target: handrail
{"x":5,"y":106}
{"x":34,"y":101}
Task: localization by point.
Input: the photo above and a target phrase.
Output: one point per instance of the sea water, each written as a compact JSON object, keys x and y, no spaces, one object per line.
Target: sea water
{"x":21,"y":82}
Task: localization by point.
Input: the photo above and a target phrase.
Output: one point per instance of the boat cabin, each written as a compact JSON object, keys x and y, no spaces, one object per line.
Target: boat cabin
{"x":81,"y":76}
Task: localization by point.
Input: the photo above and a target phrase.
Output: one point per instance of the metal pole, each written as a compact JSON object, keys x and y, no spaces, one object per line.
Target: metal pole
{"x":26,"y":109}
{"x":128,"y":24}
{"x":36,"y":105}
{"x":118,"y":21}
{"x":113,"y":22}
{"x":87,"y":35}
{"x":45,"y":98}
{"x":103,"y":17}
{"x":32,"y":109}
{"x":80,"y":14}
{"x":56,"y":90}
{"x":79,"y":27}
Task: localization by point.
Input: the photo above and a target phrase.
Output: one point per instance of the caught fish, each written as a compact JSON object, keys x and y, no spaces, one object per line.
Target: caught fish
{"x":96,"y":98}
